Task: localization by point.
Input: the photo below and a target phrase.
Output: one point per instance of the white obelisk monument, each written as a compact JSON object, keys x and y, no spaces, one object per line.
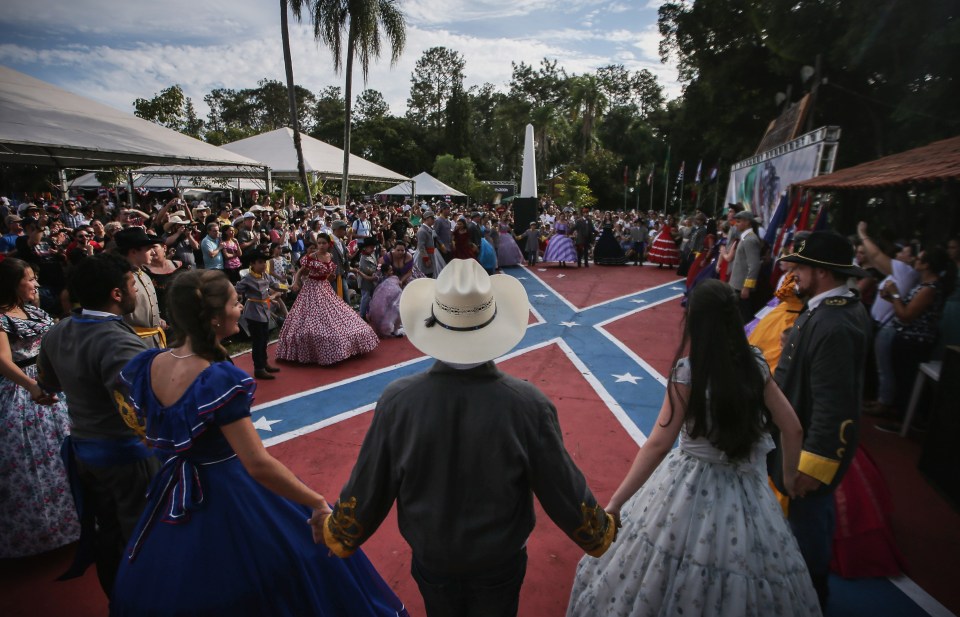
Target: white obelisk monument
{"x":528,"y":179}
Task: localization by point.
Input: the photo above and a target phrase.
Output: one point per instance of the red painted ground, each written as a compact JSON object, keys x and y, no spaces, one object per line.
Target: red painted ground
{"x":585,"y":287}
{"x":653,"y":334}
{"x":926,"y":528}
{"x":323,"y":460}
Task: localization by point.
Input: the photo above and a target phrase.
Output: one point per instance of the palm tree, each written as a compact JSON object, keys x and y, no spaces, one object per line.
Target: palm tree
{"x":364,"y":21}
{"x":588,"y":106}
{"x":296,"y":6}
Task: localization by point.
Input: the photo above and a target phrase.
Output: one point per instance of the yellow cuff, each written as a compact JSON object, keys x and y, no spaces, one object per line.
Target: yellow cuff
{"x":608,"y":536}
{"x":336,"y":547}
{"x":819,"y":467}
{"x":749,"y":283}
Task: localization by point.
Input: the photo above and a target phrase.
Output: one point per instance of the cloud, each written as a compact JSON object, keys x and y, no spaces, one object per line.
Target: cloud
{"x":432,"y":12}
{"x":134,"y":50}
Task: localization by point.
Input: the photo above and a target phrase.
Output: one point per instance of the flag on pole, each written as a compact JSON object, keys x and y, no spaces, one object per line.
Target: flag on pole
{"x":636,"y":179}
{"x":650,"y":177}
{"x":676,"y":187}
{"x":626,"y":175}
{"x":699,"y":167}
{"x":713,"y":174}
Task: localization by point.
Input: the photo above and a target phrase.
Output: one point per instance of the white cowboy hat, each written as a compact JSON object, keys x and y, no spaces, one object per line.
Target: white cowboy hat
{"x":465,"y":316}
{"x":174,"y":220}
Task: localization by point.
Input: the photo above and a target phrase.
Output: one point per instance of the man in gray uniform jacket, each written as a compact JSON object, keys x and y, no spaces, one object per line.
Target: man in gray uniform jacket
{"x":462,"y":449}
{"x":109,"y":466}
{"x":821,"y":374}
{"x":746,"y":264}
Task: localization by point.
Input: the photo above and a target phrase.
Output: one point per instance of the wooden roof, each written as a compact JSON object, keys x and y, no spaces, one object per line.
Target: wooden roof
{"x":934,"y":163}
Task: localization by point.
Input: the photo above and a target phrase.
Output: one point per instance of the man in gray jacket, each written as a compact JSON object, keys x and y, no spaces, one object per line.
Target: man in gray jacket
{"x":746,"y":264}
{"x":109,"y":467}
{"x":821,"y":374}
{"x":462,"y":449}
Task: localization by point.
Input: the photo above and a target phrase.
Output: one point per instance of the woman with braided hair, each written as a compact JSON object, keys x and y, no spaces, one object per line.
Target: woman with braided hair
{"x":239,"y":542}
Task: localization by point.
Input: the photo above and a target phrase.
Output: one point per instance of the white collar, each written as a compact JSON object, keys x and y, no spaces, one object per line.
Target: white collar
{"x":90,"y":313}
{"x":815,"y":301}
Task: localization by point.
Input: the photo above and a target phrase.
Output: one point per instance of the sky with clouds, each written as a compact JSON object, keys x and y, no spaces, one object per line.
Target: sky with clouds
{"x":115,"y":51}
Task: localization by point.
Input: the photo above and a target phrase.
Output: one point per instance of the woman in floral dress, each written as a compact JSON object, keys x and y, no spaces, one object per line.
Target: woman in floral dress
{"x":36,"y":506}
{"x":320,"y":327}
{"x":702,"y":532}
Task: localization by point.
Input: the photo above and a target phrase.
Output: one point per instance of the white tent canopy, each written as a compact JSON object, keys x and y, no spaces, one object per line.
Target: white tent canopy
{"x":423,"y":184}
{"x":89,"y":181}
{"x":41,"y":124}
{"x":275,"y":150}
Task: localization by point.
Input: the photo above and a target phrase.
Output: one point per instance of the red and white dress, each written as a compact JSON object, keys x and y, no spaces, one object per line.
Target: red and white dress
{"x":664,"y":250}
{"x":321,"y":328}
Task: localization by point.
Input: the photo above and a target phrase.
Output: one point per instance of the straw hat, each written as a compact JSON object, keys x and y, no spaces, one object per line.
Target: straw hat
{"x":465,"y":316}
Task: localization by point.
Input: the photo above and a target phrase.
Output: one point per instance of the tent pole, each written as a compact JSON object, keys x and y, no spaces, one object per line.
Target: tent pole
{"x":269,"y":180}
{"x":130,"y":189}
{"x":62,"y":174}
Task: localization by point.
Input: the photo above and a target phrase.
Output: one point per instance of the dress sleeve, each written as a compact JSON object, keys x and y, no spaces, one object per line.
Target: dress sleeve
{"x":224,"y":394}
{"x":761,"y":362}
{"x":681,"y":372}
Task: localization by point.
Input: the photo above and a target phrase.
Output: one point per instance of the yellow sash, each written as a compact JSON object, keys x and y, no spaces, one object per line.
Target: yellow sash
{"x":143,"y":332}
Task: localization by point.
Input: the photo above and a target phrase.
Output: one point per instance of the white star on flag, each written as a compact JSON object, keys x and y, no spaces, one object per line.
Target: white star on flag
{"x":265,"y":425}
{"x":541,"y":269}
{"x":677,"y":288}
{"x":569,"y":324}
{"x":521,"y":278}
{"x":560,"y":276}
{"x":627,"y":377}
{"x":639,"y":301}
{"x":539,"y":295}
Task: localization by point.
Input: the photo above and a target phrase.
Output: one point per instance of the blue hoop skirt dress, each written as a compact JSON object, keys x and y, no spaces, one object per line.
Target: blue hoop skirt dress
{"x":212,"y":540}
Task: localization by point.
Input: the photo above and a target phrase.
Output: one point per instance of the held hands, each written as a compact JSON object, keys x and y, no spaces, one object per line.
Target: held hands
{"x":317,"y":519}
{"x":802,"y":484}
{"x":40,"y":397}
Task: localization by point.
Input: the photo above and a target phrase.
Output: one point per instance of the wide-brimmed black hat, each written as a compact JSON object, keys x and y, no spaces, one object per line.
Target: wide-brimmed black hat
{"x":826,"y":249}
{"x":133,"y":238}
{"x":256,"y":255}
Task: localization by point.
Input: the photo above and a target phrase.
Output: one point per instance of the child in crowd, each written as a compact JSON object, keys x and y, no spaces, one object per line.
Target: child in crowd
{"x":531,"y":244}
{"x":260,"y":291}
{"x":367,"y":271}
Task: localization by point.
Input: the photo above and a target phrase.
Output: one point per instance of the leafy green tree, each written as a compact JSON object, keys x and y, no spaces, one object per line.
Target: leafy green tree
{"x":646,"y":91}
{"x":328,"y":116}
{"x":575,"y":189}
{"x":167,"y":108}
{"x":457,"y":130}
{"x":192,"y":125}
{"x":364,"y":22}
{"x":437,"y":74}
{"x":371,"y":106}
